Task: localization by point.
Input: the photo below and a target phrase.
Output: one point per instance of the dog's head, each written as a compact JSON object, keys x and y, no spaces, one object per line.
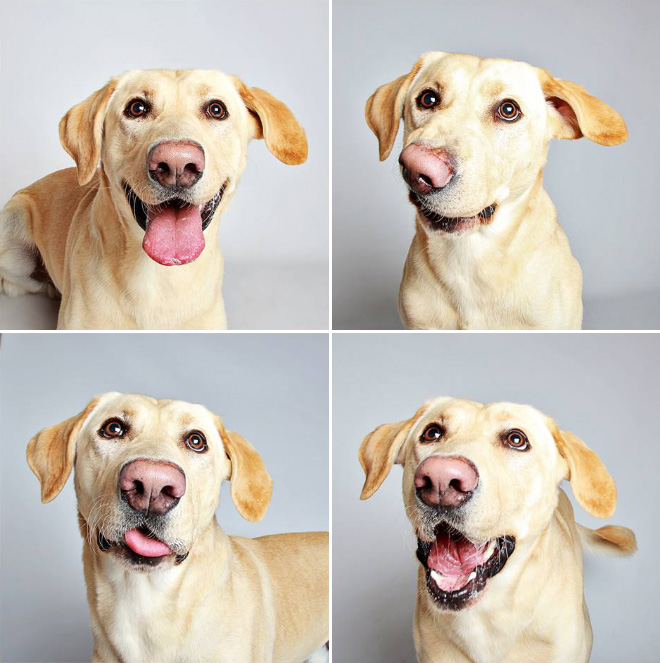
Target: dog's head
{"x":172,"y":146}
{"x":479,"y":480}
{"x":476,"y":132}
{"x":148,"y":475}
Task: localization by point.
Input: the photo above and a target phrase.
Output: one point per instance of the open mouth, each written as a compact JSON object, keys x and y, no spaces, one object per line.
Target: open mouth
{"x":139,"y":546}
{"x":174,"y":229}
{"x":457,"y":570}
{"x":450,"y":224}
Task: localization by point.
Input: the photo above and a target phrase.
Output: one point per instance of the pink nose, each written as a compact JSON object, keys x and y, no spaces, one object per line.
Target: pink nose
{"x":425,"y":168}
{"x":152,"y":486}
{"x":176,"y":164}
{"x":443,"y":481}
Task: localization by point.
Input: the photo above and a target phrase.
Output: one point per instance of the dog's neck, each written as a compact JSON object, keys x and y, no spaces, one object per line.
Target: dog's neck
{"x":498,"y":616}
{"x":129,"y":608}
{"x":154,"y":296}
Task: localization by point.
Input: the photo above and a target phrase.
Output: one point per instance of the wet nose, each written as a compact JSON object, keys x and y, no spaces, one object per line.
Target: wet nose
{"x":446,"y":481}
{"x":176,"y":164}
{"x":152,"y":486}
{"x":426,"y":168}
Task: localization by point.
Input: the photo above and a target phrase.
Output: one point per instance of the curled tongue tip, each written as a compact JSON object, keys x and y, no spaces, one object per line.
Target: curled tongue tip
{"x":144,"y":545}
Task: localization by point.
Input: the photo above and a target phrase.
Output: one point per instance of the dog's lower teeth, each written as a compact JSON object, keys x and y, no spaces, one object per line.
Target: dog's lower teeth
{"x":437,"y":577}
{"x":472,"y":576}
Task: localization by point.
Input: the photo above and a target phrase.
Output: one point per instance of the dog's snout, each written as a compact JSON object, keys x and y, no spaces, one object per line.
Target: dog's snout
{"x":176,"y":164}
{"x":151,"y":486}
{"x":443,"y":481}
{"x":426,"y":168}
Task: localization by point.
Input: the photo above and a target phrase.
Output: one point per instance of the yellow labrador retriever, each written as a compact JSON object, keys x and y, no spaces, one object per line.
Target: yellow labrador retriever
{"x":133,"y":245}
{"x":488,"y":252}
{"x":500,"y":574}
{"x":164,"y":582}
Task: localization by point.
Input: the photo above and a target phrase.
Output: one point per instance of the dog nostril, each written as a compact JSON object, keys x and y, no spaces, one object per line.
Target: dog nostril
{"x":163,"y":167}
{"x":425,"y":180}
{"x":427,"y":484}
{"x":168,"y":491}
{"x":139,"y":487}
{"x":456,"y":485}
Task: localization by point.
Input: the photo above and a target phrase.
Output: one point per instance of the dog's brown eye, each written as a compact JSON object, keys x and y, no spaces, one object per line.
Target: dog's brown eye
{"x":428,"y":99}
{"x":137,"y":108}
{"x":432,"y":433}
{"x":217,"y":110}
{"x":516,"y":439}
{"x":196,"y":441}
{"x":113,"y":428}
{"x":509,"y":111}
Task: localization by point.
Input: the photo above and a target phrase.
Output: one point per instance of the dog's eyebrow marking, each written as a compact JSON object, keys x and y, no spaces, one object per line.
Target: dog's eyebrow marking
{"x":126,"y":416}
{"x":495,"y":88}
{"x":441,"y":419}
{"x":186,"y":420}
{"x":146,"y":93}
{"x":204,"y":90}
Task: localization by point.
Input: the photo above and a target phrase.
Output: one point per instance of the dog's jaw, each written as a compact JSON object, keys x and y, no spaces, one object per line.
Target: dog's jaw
{"x":436,"y":222}
{"x":453,"y":590}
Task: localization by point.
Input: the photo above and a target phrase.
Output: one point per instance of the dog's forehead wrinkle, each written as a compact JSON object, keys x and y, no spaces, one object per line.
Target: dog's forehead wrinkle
{"x":186,"y":415}
{"x":467,"y":77}
{"x":157,"y":84}
{"x":472,"y":422}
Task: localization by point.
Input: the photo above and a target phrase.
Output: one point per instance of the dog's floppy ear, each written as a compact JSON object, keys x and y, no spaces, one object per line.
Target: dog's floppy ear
{"x":574,"y":113}
{"x":251,"y":485}
{"x":385,"y":108}
{"x":275,"y":123}
{"x":592,"y":484}
{"x":51,"y":451}
{"x":81,"y":131}
{"x":381,"y":449}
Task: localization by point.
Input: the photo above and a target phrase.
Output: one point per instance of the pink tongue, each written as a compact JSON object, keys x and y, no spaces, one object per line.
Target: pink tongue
{"x":142,"y":545}
{"x":454,"y":558}
{"x":174,"y":236}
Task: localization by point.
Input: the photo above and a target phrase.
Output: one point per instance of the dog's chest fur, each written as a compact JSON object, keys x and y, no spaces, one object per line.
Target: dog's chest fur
{"x":181,"y":613}
{"x":153,"y":296}
{"x":139,"y":614}
{"x":469,"y":290}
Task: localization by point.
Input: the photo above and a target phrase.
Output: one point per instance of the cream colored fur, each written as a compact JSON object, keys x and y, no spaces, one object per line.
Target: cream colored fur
{"x":533,"y":610}
{"x":79,"y":223}
{"x":517,"y":270}
{"x":233,"y":599}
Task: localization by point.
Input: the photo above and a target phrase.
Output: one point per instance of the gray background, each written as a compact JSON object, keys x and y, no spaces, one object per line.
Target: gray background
{"x":274,"y":235}
{"x":271,"y":388}
{"x":602,"y":387}
{"x":605,"y":197}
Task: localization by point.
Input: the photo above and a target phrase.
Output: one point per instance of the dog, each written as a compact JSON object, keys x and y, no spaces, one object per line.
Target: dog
{"x":133,"y":245}
{"x":164,"y":582}
{"x":500,"y":554}
{"x":488,"y":252}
